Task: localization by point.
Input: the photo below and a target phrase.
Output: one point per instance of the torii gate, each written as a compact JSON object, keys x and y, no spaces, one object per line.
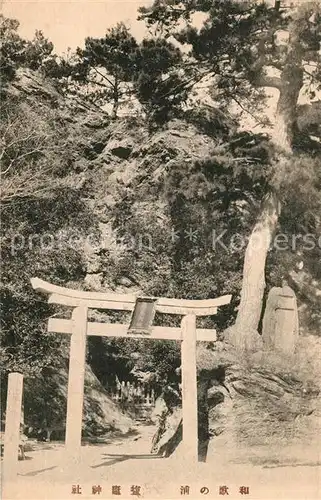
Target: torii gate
{"x":143,"y":311}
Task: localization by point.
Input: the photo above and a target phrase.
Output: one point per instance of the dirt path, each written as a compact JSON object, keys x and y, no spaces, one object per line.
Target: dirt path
{"x":127,"y":462}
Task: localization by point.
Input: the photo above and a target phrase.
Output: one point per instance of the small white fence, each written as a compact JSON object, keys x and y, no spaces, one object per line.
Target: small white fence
{"x":135,"y":393}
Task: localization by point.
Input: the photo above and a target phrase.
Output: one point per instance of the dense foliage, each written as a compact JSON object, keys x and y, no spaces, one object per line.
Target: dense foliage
{"x":16,"y":52}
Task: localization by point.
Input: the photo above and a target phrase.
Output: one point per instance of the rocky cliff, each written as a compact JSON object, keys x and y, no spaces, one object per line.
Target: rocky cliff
{"x":124,"y":175}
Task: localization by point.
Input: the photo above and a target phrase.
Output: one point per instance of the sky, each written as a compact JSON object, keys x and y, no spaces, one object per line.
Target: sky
{"x":67,"y":22}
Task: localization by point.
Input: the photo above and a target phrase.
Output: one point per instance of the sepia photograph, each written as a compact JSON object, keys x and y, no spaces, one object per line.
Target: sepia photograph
{"x":160,"y":249}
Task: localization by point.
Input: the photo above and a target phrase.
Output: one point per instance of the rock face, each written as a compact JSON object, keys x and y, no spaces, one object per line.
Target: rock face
{"x":134,"y":166}
{"x":100,"y":414}
{"x":120,"y":161}
{"x":249,"y":404}
{"x":167,"y":416}
{"x":266,"y":402}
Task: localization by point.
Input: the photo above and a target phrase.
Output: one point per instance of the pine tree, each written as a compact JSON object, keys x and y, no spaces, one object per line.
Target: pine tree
{"x":157,"y":82}
{"x":239,"y":47}
{"x":15,"y":52}
{"x":107,"y":65}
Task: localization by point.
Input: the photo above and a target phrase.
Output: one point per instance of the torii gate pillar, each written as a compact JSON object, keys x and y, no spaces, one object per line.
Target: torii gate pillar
{"x":189,"y":387}
{"x":76,"y":378}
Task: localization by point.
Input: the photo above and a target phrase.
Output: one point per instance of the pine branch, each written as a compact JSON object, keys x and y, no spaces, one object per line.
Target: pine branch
{"x":105,"y":77}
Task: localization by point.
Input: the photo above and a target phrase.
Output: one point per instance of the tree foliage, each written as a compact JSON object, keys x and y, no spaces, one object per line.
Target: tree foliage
{"x":116,"y":69}
{"x":157,"y":78}
{"x":16,"y":52}
{"x":38,"y":223}
{"x":240,"y":42}
{"x":12,"y":47}
{"x":30,"y":152}
{"x":105,"y":66}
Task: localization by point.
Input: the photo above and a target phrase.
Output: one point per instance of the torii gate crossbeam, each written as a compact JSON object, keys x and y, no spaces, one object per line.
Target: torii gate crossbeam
{"x":79,"y":327}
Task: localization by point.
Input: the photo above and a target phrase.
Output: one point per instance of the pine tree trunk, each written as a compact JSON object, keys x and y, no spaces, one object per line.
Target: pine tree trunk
{"x":285,"y":124}
{"x":254,"y":272}
{"x":115,"y":99}
{"x":244,"y":332}
{"x":115,"y":108}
